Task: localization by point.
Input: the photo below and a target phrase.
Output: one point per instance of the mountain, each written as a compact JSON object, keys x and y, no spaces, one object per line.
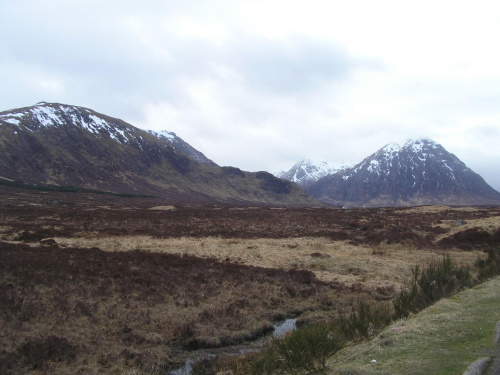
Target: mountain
{"x":182,"y":146}
{"x":416,"y":172}
{"x":307,"y":171}
{"x":59,"y":144}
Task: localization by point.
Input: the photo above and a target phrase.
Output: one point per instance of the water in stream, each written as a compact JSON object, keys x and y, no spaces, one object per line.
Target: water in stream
{"x":280,"y":329}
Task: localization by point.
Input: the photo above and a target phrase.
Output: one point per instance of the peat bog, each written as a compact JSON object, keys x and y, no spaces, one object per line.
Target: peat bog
{"x":72,"y":303}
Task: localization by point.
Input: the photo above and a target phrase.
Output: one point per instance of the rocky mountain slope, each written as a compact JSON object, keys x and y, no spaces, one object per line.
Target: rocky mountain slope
{"x":59,"y":144}
{"x":307,"y":171}
{"x":416,"y":172}
{"x":182,"y":146}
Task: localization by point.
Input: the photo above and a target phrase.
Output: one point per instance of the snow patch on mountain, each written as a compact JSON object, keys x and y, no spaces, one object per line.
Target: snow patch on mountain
{"x":179,"y":144}
{"x":46,"y":115}
{"x":308,"y":171}
{"x":50,"y":115}
{"x":410,"y":154}
{"x":164,"y":134}
{"x":419,"y":146}
{"x":11,"y":118}
{"x":417,"y":171}
{"x":12,"y":121}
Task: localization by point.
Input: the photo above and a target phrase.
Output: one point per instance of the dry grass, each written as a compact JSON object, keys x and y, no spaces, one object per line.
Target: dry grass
{"x":488,"y":224}
{"x":237,"y":271}
{"x":381,"y":266}
{"x":163,"y":208}
{"x":137,"y":309}
{"x":439,"y":209}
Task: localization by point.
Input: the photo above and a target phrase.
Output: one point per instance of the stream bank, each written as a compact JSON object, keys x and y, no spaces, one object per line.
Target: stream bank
{"x":280,"y":329}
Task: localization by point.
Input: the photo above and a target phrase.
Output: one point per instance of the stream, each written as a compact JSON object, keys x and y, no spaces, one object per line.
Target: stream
{"x":280,"y":329}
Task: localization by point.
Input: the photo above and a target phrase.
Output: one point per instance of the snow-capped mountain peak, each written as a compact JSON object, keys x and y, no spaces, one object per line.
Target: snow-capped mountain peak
{"x":44,"y":116}
{"x":409,"y":153}
{"x":308,"y":171}
{"x":62,"y":145}
{"x":49,"y":115}
{"x":416,"y":146}
{"x":417,"y":171}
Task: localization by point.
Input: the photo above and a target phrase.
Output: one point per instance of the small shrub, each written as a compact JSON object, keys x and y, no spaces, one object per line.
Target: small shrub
{"x":402,"y":302}
{"x":364,"y":320}
{"x":307,"y":349}
{"x":302,"y":351}
{"x":266,"y":362}
{"x":438,"y":280}
{"x":263,"y":362}
{"x":490,"y":266}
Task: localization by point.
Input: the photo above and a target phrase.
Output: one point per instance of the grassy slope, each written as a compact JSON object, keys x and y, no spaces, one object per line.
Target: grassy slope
{"x":443,"y":339}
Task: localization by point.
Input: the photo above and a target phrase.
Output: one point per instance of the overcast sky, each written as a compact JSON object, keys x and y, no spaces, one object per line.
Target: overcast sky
{"x":260,"y":85}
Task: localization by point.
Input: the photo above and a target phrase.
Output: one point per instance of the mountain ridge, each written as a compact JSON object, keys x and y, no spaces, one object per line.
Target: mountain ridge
{"x":414,"y":172}
{"x":308,"y":171}
{"x":59,"y":144}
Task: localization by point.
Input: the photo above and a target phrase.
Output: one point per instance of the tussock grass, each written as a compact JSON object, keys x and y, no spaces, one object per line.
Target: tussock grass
{"x":201,"y":276}
{"x":303,"y":351}
{"x":386,"y":265}
{"x":137,"y":309}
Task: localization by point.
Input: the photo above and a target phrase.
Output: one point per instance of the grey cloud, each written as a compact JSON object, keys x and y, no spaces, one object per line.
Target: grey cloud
{"x":289,"y":66}
{"x":97,"y":56}
{"x":102,"y":61}
{"x":447,"y":99}
{"x":487,"y":132}
{"x":103,"y":55}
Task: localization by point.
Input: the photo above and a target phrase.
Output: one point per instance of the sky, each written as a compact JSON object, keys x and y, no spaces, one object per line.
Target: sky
{"x":261,"y":85}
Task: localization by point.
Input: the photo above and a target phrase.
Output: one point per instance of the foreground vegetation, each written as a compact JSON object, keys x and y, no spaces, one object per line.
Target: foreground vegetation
{"x":100,"y":284}
{"x":135,"y":309}
{"x":89,"y":311}
{"x":443,"y":339}
{"x":305,"y":351}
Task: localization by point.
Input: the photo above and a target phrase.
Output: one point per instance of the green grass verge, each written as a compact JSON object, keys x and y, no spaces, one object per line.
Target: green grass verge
{"x":442,"y":339}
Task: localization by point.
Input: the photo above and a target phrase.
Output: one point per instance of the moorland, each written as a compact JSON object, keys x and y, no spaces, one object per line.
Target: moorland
{"x":93,"y":283}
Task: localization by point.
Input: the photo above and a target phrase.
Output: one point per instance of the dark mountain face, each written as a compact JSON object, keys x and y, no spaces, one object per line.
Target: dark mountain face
{"x":416,"y":172}
{"x":182,"y":146}
{"x":68,"y":145}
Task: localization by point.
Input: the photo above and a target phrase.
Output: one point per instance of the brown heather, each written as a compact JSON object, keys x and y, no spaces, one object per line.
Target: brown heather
{"x":100,"y":284}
